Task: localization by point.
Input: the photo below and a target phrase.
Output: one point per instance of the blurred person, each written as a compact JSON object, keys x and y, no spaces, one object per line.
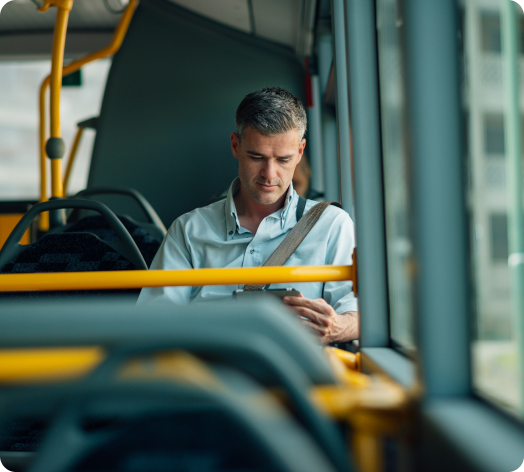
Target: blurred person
{"x":302,"y":180}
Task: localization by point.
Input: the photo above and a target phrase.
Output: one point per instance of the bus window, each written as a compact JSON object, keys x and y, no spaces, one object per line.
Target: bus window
{"x":19,"y":85}
{"x":494,"y":347}
{"x":396,"y":176}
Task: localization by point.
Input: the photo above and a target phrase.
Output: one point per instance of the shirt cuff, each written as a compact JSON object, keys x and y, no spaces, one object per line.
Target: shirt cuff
{"x":349,"y":305}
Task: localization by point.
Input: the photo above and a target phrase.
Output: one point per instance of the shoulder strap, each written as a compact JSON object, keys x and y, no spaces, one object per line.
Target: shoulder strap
{"x":301,"y":205}
{"x":287,"y":247}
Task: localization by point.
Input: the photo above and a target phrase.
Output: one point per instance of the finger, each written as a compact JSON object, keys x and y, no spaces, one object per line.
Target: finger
{"x":319,"y":304}
{"x":293,"y":300}
{"x":315,"y":328}
{"x":317,"y":318}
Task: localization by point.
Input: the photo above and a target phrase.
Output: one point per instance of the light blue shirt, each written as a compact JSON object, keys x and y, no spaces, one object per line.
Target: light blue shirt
{"x":211,"y":237}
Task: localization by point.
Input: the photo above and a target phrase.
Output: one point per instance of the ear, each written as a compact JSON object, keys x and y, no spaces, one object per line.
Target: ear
{"x":235,"y":143}
{"x":301,"y":147}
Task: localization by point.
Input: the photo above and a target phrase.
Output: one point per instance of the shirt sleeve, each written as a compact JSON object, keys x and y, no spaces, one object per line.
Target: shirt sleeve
{"x":173,"y":254}
{"x":340,"y":247}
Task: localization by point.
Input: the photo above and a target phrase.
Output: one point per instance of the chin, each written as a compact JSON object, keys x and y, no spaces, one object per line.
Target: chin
{"x":265,"y":199}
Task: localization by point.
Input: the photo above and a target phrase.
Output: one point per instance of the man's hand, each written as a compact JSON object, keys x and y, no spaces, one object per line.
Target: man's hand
{"x":324,"y":320}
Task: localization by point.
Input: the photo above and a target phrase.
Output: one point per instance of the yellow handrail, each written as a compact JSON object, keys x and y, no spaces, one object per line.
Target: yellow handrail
{"x":57,"y":62}
{"x":55,"y":79}
{"x":48,"y":364}
{"x":109,"y":50}
{"x":166,"y":278}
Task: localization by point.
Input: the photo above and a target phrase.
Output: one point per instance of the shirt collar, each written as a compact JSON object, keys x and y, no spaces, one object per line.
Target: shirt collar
{"x":232,"y":223}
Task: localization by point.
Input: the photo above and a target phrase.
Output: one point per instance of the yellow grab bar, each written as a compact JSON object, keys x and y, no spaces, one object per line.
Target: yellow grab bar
{"x":113,"y":47}
{"x":166,"y":278}
{"x":55,"y":146}
{"x":47,"y":364}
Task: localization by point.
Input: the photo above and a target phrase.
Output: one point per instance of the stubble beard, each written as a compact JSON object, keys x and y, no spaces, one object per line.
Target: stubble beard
{"x":261,"y":197}
{"x":258,"y":195}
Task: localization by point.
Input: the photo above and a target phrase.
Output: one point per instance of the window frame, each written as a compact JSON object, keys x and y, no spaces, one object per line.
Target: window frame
{"x":457,"y":429}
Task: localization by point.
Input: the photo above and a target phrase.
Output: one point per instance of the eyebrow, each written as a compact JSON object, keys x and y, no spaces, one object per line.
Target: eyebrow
{"x":257,"y":154}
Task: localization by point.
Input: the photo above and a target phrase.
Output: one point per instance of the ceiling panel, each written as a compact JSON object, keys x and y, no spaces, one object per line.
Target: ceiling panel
{"x":278,"y":20}
{"x":22,"y":15}
{"x":234,"y":13}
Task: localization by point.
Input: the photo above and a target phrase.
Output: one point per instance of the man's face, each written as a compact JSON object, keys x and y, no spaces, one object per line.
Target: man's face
{"x":266,"y":163}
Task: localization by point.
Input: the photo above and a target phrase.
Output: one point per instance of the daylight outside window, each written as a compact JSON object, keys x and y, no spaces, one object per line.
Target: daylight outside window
{"x":494,"y":347}
{"x":19,"y":155}
{"x":396,"y":175}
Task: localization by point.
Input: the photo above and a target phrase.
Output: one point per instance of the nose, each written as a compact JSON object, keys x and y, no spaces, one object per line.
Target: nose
{"x":269,"y":171}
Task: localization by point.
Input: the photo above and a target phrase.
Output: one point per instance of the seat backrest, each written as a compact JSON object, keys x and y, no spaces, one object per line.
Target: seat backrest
{"x":158,"y":426}
{"x":169,"y":106}
{"x":96,"y":225}
{"x":67,"y":252}
{"x":263,"y":341}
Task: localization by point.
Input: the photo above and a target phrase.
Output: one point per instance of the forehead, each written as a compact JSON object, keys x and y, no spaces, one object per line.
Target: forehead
{"x":252,"y":137}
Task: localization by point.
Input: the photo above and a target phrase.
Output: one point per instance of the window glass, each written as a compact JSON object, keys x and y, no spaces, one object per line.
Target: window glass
{"x":494,"y":135}
{"x":490,"y":29}
{"x":19,"y":156}
{"x":498,"y":224}
{"x":396,"y":177}
{"x":494,"y":349}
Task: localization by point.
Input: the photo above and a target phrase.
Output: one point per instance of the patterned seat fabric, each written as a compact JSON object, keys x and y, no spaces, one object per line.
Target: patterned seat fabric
{"x":67,"y":252}
{"x":96,"y":225}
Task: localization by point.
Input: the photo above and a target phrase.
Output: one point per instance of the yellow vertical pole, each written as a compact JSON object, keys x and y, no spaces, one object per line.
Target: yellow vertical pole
{"x":112,"y":48}
{"x":43,"y":222}
{"x":55,"y":146}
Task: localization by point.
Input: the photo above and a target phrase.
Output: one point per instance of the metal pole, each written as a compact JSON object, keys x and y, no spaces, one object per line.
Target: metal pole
{"x":367,"y":161}
{"x":514,"y":179}
{"x":440,"y":223}
{"x":342,"y":106}
{"x":329,"y":125}
{"x":315,"y":137}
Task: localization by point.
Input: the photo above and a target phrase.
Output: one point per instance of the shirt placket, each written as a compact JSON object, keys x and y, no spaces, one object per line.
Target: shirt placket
{"x":253,"y":255}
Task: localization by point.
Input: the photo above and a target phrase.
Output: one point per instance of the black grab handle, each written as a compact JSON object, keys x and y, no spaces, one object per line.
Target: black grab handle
{"x":135,"y":194}
{"x":126,"y":246}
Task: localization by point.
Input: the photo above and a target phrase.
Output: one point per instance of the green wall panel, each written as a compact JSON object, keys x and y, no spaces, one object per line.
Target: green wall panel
{"x":169,"y":106}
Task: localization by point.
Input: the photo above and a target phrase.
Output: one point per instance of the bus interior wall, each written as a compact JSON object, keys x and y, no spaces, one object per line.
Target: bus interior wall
{"x":169,"y":106}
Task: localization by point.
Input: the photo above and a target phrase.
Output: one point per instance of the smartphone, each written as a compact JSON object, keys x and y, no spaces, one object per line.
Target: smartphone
{"x":279,"y":293}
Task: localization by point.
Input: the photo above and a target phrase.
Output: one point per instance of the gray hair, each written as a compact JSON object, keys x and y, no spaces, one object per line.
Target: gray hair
{"x":271,"y":111}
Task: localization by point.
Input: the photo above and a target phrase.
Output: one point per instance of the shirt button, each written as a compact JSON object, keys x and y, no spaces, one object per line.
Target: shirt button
{"x":231,"y":232}
{"x":252,"y":251}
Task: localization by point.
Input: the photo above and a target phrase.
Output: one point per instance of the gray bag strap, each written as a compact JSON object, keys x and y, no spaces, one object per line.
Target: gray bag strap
{"x":287,"y":247}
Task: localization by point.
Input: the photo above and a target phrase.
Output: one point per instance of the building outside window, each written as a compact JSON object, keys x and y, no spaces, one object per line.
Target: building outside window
{"x":494,"y":349}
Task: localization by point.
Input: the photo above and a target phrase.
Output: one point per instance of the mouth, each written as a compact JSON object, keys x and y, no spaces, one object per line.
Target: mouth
{"x":266,"y":186}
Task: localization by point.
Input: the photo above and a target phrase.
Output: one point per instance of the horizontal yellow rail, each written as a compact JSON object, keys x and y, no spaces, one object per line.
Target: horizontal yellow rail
{"x":48,"y":364}
{"x":166,"y":278}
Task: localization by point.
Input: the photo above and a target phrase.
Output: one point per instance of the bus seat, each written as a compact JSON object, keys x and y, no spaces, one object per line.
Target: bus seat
{"x":147,"y":235}
{"x":154,"y":224}
{"x":182,"y":156}
{"x":145,"y":241}
{"x":129,"y":425}
{"x":261,"y":341}
{"x":69,"y":252}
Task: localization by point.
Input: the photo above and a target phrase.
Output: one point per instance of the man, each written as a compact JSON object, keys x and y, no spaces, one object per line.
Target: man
{"x":260,"y":210}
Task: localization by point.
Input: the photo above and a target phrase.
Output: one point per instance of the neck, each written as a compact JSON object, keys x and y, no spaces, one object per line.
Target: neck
{"x":253,"y":212}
